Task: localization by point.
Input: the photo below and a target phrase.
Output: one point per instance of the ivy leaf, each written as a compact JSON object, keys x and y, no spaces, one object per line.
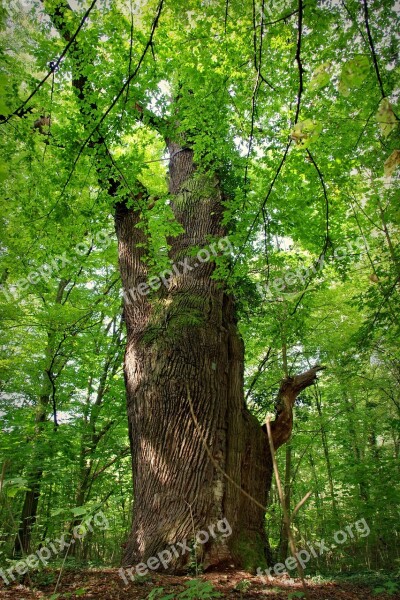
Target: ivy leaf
{"x":386,"y":117}
{"x":353,"y":74}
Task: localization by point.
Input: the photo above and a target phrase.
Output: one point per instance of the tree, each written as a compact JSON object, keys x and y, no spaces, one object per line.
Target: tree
{"x":45,"y":404}
{"x":225,"y":106}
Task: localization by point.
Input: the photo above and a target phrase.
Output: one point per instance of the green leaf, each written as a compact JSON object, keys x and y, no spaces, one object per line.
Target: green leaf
{"x":201,"y":590}
{"x":11,"y":487}
{"x":321,"y":76}
{"x":57,"y":511}
{"x":353,"y":74}
{"x":3,"y":169}
{"x":79,"y":510}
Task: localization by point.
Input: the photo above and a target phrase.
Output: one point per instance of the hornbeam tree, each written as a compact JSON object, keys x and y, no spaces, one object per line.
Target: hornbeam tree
{"x":229,"y":98}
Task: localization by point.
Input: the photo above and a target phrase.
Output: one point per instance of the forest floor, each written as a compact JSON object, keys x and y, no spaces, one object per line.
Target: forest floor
{"x":106,"y":584}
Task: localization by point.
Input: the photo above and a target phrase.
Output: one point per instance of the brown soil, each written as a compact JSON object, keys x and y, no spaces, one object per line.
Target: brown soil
{"x":106,"y":584}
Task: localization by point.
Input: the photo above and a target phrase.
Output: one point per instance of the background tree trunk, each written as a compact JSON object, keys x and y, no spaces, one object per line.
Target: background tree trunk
{"x":46,"y":402}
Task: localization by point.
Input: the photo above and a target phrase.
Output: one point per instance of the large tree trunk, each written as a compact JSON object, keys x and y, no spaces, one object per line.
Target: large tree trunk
{"x":183,"y":347}
{"x":28,"y":514}
{"x":184,"y":354}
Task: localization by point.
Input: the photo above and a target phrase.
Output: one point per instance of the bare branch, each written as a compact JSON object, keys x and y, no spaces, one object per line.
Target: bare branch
{"x":298,"y":58}
{"x":372,"y":47}
{"x":289,"y":389}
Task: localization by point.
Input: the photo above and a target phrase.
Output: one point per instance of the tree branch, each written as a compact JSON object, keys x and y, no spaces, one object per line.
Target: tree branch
{"x":21,"y":110}
{"x":372,"y":47}
{"x":298,"y":59}
{"x":289,"y":389}
{"x":125,"y":452}
{"x":121,"y":91}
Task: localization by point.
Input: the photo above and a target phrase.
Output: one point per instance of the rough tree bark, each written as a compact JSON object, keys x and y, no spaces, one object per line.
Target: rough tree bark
{"x":185,"y":337}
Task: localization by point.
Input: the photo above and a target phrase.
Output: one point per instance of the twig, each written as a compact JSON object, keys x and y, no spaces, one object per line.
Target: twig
{"x":322,"y":181}
{"x":263,"y":204}
{"x":286,"y":517}
{"x":327,"y":241}
{"x":61,"y":570}
{"x":300,"y":504}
